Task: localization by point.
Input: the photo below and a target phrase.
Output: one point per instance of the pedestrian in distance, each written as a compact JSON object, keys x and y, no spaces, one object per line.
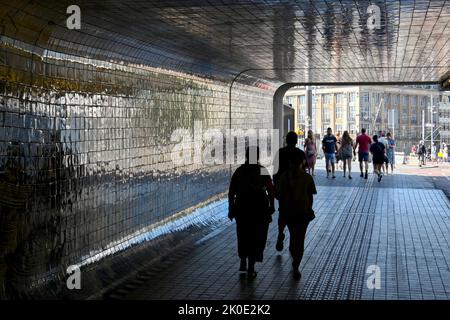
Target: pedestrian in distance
{"x":363,"y":141}
{"x":311,"y":152}
{"x":390,"y":152}
{"x":329,"y":148}
{"x":445,"y":154}
{"x":421,"y":152}
{"x":382,"y":139}
{"x":378,"y":153}
{"x":338,"y":150}
{"x":347,"y":153}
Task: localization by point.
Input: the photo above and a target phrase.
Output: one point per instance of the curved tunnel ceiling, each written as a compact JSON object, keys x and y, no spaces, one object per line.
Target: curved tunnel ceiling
{"x":280,"y":41}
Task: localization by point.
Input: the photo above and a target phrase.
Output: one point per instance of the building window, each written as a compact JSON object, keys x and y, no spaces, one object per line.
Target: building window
{"x":339,"y":98}
{"x":365,"y":112}
{"x":326,"y":98}
{"x":405,"y":100}
{"x":352,"y":129}
{"x":303,"y":112}
{"x":352,"y":97}
{"x":338,"y":112}
{"x":374,"y":98}
{"x":413,"y":118}
{"x":302,"y":100}
{"x":365,"y":97}
{"x":289,"y":100}
{"x":302,"y":115}
{"x":339,"y":128}
{"x":352,"y":113}
{"x":326,"y":114}
{"x":396,"y":99}
{"x":413,"y":100}
{"x":404,"y":112}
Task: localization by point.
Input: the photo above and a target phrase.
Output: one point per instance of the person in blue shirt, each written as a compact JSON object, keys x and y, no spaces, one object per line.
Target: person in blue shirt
{"x":329,"y":148}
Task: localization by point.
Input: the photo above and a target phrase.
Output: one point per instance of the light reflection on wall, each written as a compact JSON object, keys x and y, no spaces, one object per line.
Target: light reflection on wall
{"x":85,"y":156}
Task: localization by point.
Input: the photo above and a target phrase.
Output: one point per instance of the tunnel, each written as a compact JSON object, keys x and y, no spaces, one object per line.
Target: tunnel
{"x":92,"y":92}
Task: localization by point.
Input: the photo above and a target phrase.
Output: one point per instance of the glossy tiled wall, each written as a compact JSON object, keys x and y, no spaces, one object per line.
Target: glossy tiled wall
{"x":85,"y":154}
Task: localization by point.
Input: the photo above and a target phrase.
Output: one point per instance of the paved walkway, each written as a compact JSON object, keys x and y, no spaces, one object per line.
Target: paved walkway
{"x":402,"y":225}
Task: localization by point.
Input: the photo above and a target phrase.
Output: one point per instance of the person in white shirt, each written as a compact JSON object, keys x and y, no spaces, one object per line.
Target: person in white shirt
{"x":445,"y":154}
{"x":382,"y":139}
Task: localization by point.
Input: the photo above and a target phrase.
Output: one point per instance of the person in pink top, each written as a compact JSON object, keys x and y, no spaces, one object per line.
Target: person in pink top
{"x":311,"y":152}
{"x":363,"y":141}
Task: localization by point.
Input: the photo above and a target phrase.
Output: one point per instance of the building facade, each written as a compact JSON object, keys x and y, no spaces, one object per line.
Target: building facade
{"x":444,"y":118}
{"x":403,"y":111}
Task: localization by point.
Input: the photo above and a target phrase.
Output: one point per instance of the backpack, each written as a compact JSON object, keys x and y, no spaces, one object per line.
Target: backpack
{"x":347,"y":150}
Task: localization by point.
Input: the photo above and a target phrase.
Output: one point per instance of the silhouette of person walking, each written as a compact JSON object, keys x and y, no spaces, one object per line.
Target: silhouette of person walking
{"x":295,"y":191}
{"x":284,"y":156}
{"x":251,"y":203}
{"x":378,"y":151}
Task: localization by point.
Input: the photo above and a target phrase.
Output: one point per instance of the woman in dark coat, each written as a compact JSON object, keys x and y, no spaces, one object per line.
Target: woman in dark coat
{"x":251,"y":203}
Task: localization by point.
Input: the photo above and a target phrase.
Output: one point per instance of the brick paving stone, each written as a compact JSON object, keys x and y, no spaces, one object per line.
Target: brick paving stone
{"x":401,"y":225}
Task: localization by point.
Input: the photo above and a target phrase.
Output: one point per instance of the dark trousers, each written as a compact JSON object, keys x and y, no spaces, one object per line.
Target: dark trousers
{"x":252,"y":238}
{"x":297,"y":233}
{"x":281,"y":224}
{"x":422,"y":159}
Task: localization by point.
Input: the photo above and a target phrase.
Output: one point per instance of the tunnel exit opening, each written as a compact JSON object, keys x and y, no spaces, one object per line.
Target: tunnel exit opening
{"x":302,"y":121}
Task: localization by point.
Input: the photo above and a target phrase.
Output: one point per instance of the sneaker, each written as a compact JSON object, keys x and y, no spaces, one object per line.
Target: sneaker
{"x":366,"y":176}
{"x":380,"y":175}
{"x":334,"y":177}
{"x":251,"y":274}
{"x":350,"y":177}
{"x":361,"y":175}
{"x":279,"y":246}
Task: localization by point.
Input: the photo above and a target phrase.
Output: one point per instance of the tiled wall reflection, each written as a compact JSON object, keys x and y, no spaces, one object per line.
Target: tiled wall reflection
{"x":85,"y":155}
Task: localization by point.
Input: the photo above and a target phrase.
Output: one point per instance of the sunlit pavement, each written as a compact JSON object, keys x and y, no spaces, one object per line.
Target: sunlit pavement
{"x":438,"y":172}
{"x":400,"y":227}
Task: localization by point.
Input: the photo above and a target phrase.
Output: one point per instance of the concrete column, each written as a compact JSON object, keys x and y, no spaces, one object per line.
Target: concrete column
{"x":278,"y":112}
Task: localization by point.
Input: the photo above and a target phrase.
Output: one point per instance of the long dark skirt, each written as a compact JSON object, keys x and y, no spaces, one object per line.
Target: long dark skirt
{"x":252,"y":238}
